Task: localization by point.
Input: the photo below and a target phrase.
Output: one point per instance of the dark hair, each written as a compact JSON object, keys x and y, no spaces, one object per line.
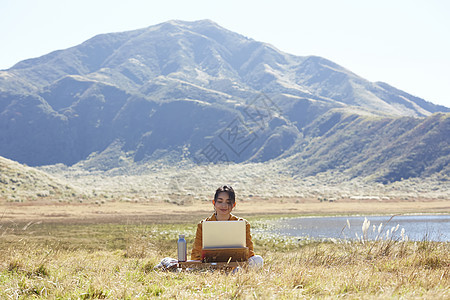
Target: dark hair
{"x":227,"y":189}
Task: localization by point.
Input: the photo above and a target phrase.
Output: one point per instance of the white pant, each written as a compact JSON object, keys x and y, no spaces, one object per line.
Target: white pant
{"x":255,"y":262}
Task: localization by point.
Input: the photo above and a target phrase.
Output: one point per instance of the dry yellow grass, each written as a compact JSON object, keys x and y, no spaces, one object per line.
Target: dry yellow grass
{"x":57,"y":264}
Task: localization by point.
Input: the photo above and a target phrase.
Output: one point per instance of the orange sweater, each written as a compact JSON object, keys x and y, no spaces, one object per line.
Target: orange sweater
{"x":196,"y":253}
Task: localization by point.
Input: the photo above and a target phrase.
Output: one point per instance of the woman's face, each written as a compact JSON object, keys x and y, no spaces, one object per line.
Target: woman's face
{"x":223,"y":205}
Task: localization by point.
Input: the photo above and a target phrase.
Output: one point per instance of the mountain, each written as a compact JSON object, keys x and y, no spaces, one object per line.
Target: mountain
{"x":198,"y":91}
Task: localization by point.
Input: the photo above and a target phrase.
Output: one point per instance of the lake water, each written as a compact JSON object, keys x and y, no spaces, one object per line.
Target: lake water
{"x":416,"y":227}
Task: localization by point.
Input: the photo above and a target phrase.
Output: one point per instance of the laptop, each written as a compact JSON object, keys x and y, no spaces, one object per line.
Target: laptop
{"x":224,"y":241}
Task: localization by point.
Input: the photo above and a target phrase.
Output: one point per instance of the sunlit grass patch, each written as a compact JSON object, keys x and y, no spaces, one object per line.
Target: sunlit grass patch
{"x":113,"y":261}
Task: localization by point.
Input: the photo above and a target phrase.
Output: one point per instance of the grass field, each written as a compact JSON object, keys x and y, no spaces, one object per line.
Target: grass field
{"x":101,"y":252}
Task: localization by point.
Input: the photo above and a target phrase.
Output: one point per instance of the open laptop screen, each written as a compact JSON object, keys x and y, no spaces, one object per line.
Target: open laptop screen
{"x":223,"y":234}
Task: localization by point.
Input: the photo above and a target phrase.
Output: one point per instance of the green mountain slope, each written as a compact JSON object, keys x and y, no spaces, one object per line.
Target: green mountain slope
{"x":384,"y":149}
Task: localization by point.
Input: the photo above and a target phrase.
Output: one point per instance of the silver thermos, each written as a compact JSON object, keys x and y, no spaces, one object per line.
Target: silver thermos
{"x":182,"y":248}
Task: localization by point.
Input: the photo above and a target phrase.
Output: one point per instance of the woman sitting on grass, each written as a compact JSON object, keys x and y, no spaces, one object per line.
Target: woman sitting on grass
{"x":224,"y":202}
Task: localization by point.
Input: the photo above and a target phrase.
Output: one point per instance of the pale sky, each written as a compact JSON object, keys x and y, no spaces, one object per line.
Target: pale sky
{"x":405,"y":43}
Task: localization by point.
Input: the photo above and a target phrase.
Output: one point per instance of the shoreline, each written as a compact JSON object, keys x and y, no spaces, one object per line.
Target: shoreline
{"x":163,"y":212}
